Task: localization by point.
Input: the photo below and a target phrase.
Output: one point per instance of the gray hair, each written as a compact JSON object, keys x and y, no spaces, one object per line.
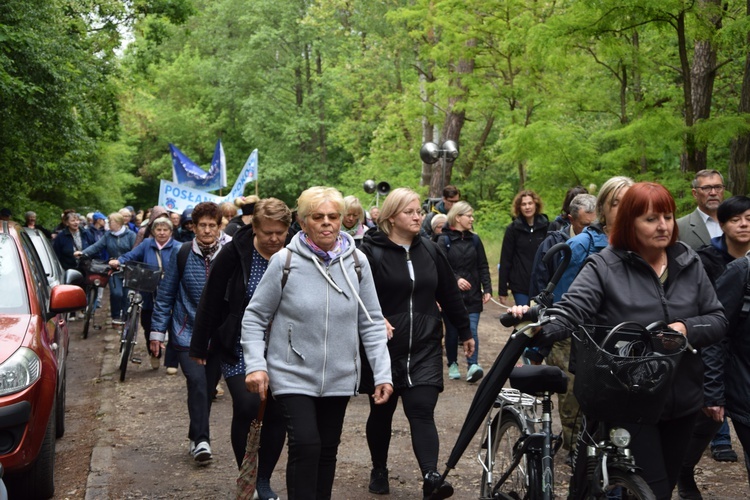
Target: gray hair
{"x":705,"y":173}
{"x":29,"y":214}
{"x":585,"y":203}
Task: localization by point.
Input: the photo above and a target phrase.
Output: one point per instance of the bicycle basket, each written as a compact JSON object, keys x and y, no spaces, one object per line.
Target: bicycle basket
{"x":94,"y":266}
{"x":627,"y":380}
{"x":141,"y":277}
{"x":95,"y":272}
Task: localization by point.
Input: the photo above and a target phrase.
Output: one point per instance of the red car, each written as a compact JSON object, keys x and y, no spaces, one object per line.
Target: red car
{"x":33,"y":348}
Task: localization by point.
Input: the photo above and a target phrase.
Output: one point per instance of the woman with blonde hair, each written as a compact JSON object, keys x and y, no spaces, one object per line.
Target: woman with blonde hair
{"x":119,"y":239}
{"x":412,"y":276}
{"x":353,"y":222}
{"x":315,"y":304}
{"x":468,"y":260}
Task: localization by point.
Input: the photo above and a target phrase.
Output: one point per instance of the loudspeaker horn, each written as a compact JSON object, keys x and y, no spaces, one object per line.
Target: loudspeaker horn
{"x":383,"y":188}
{"x":369,"y":186}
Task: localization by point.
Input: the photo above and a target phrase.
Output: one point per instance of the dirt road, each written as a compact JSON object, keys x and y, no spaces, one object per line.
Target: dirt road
{"x":128,"y":440}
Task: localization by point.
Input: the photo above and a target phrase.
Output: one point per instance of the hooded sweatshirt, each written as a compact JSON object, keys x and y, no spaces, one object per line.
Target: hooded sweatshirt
{"x":319,"y":319}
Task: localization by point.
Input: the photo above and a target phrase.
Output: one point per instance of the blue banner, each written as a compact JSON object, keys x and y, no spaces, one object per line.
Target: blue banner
{"x":188,"y":174}
{"x":178,"y":197}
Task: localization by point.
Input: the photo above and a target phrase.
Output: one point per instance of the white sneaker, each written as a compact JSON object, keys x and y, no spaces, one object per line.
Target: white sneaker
{"x":171,"y":370}
{"x":202,"y":452}
{"x":155,"y":363}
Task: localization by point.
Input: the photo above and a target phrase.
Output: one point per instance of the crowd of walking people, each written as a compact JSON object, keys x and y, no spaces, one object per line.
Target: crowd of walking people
{"x":300,"y":310}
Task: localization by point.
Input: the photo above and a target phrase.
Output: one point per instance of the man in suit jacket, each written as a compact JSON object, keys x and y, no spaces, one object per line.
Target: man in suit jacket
{"x":699,"y":226}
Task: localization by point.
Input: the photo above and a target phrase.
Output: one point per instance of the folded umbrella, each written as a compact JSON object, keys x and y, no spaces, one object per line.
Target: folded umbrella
{"x":249,"y":468}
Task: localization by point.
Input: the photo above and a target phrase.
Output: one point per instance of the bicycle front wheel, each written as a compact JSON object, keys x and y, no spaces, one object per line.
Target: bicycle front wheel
{"x":128,"y":339}
{"x":507,"y":430}
{"x":90,"y":308}
{"x":625,"y":485}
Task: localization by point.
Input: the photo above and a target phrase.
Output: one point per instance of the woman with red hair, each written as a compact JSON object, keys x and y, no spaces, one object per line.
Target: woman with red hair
{"x":646,"y":275}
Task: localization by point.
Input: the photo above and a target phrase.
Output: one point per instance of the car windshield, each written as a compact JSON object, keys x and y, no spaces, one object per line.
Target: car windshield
{"x":12,"y":281}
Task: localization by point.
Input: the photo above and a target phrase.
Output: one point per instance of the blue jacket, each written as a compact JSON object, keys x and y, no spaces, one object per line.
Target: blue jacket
{"x":64,"y":248}
{"x":95,"y":235}
{"x":147,"y":252}
{"x":590,"y":241}
{"x":115,"y":245}
{"x":178,"y":298}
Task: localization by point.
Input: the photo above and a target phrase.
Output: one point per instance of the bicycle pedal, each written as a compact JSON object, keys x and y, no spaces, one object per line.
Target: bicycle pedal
{"x":136,"y":360}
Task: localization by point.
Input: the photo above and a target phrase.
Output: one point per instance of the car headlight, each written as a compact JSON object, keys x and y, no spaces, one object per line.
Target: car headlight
{"x":19,"y":371}
{"x":619,"y":437}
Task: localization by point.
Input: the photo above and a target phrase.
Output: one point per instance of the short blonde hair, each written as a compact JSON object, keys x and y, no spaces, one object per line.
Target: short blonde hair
{"x":117,"y":217}
{"x":458,"y":208}
{"x":396,"y":201}
{"x":162,"y":220}
{"x":313,"y":197}
{"x":124,"y":212}
{"x":352,"y":203}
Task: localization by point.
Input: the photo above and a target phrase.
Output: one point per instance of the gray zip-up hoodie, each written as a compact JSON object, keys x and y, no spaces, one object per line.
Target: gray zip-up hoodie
{"x":319,"y":319}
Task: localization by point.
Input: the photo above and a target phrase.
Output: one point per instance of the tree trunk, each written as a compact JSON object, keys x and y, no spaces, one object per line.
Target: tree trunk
{"x":701,"y":78}
{"x":740,"y":151}
{"x":454,"y":122}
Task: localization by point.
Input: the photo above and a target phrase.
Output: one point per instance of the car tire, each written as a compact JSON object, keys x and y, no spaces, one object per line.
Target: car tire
{"x":60,"y":406}
{"x":39,"y":480}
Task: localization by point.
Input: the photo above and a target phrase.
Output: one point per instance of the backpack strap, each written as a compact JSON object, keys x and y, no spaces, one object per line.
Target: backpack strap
{"x":357,"y":265}
{"x":182,"y":256}
{"x":287,"y":268}
{"x":745,"y":311}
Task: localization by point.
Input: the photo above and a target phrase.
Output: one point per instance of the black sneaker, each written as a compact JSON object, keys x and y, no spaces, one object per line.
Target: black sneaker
{"x":434,"y":488}
{"x":723,"y":453}
{"x":379,"y":481}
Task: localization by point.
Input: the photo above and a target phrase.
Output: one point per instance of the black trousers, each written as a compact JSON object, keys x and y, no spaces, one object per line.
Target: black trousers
{"x":313,"y":425}
{"x":704,"y":431}
{"x":659,"y":451}
{"x":419,"y":407}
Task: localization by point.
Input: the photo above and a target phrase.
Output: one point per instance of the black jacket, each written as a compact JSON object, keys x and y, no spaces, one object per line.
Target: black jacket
{"x":616,"y":285}
{"x":715,"y":259}
{"x":730,"y":287}
{"x":517,"y":255}
{"x":410,"y":306}
{"x":466,"y":256}
{"x":218,"y":318}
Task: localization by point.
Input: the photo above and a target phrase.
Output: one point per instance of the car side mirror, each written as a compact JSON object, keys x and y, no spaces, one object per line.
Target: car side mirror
{"x":67,"y":298}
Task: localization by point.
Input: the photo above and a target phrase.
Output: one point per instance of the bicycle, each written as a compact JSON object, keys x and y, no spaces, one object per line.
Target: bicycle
{"x":522,"y":457}
{"x":96,"y":274}
{"x":623,"y":378}
{"x":138,"y":278}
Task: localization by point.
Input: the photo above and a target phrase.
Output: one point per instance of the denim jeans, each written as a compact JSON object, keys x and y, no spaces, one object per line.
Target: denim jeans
{"x":117,"y":297}
{"x":521,"y":299}
{"x":722,"y":437}
{"x":198,"y":399}
{"x":313,"y":427}
{"x":451,"y":340}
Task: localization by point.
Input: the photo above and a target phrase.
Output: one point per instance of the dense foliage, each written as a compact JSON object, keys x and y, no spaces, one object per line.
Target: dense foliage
{"x":542,"y":95}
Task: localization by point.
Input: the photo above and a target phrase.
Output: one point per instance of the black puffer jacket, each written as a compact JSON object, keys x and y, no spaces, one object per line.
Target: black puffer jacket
{"x":517,"y":255}
{"x":410,"y":306}
{"x":730,"y":287}
{"x":218,"y":318}
{"x":466,"y":256}
{"x":616,"y":285}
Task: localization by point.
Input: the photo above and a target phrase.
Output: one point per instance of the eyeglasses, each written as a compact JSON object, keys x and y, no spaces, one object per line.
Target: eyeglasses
{"x":210,"y":225}
{"x":454,"y":200}
{"x":333,"y":216}
{"x":470,"y":216}
{"x":707,"y":189}
{"x":411,"y":213}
